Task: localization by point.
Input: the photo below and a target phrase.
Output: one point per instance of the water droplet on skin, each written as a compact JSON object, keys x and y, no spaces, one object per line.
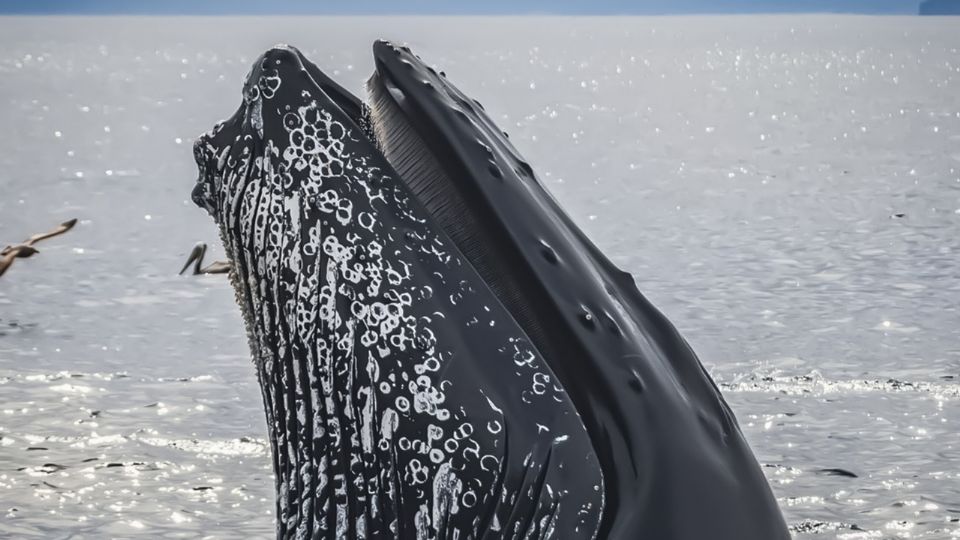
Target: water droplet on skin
{"x":586,"y":318}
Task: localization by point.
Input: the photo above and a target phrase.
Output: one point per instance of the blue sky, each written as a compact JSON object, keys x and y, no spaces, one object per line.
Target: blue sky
{"x":454,"y":6}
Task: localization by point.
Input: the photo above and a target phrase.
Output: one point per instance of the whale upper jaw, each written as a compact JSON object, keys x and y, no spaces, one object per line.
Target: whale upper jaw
{"x":671,"y":456}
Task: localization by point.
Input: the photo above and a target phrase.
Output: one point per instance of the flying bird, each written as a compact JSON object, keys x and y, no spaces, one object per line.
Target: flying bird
{"x":26,"y":249}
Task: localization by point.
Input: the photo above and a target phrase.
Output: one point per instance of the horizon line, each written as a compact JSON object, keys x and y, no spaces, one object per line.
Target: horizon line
{"x":451,"y":13}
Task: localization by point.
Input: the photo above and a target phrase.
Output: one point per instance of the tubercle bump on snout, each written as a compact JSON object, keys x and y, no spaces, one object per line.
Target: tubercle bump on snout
{"x":202,"y":194}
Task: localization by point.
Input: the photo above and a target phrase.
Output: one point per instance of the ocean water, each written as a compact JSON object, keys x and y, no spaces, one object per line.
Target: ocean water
{"x":786,"y":189}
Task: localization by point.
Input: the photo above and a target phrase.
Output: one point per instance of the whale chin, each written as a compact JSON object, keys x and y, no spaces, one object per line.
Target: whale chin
{"x":442,"y":352}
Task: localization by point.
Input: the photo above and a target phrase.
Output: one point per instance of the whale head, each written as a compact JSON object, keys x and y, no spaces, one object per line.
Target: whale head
{"x":440,"y":348}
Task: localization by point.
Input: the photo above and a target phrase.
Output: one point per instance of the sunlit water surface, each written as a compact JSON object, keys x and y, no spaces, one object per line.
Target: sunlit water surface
{"x":748,"y":171}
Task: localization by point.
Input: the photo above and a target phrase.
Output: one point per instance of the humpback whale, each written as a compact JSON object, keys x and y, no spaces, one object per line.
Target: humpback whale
{"x":441,"y":352}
